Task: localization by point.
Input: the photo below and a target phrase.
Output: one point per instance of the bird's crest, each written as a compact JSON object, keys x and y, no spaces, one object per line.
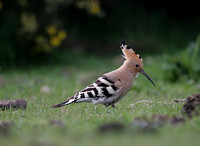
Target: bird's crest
{"x":128,"y":52}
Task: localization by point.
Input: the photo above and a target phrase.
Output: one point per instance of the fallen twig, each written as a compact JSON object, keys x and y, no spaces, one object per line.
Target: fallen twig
{"x":146,"y":101}
{"x":157,"y":102}
{"x":180,"y":100}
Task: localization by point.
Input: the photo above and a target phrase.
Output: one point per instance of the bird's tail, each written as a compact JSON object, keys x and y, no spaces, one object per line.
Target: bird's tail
{"x":68,"y":101}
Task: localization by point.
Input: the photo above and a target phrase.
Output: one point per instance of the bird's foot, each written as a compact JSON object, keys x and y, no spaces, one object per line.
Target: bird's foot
{"x":111,"y":108}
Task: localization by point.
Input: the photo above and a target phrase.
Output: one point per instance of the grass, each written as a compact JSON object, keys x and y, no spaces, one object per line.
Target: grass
{"x":32,"y":126}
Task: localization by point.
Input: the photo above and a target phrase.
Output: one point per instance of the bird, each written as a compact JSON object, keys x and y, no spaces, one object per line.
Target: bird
{"x":112,"y":86}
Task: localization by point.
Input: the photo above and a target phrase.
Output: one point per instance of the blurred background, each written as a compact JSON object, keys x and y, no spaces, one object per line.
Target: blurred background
{"x":50,"y":49}
{"x":44,"y":30}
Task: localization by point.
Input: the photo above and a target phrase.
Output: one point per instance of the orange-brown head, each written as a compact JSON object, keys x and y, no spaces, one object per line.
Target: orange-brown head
{"x":134,"y":60}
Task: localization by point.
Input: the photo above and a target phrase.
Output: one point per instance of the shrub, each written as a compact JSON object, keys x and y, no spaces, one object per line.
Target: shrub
{"x":185,"y":64}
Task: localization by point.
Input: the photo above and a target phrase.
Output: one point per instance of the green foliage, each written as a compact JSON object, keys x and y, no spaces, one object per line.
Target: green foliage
{"x":185,"y":64}
{"x":32,"y":28}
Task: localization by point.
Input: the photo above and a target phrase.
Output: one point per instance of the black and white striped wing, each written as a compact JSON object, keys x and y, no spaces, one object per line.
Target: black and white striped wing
{"x":102,"y":88}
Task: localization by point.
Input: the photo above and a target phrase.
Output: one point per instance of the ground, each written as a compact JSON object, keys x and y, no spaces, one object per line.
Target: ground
{"x":78,"y":124}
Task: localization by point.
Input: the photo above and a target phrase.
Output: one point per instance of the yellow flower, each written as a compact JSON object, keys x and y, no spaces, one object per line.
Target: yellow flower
{"x":55,"y":41}
{"x":1,"y":5}
{"x":62,"y":35}
{"x":51,"y":30}
{"x":95,"y":9}
{"x":29,"y":22}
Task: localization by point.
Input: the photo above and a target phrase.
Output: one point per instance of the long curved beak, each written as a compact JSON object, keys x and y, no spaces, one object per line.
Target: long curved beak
{"x":145,"y":74}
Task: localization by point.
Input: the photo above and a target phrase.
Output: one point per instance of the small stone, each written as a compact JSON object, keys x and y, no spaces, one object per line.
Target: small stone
{"x":45,"y":89}
{"x":177,"y":120}
{"x":111,"y":127}
{"x":58,"y":123}
{"x":20,"y":103}
{"x":13,"y":104}
{"x":160,"y":118}
{"x":145,"y":124}
{"x":192,"y":106}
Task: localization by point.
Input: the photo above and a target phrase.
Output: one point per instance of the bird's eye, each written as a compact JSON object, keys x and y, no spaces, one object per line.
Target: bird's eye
{"x":136,"y":65}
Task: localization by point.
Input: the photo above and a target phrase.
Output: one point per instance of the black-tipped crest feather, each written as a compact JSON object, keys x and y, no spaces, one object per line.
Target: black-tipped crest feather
{"x":122,"y":42}
{"x":128,"y":47}
{"x":128,"y":51}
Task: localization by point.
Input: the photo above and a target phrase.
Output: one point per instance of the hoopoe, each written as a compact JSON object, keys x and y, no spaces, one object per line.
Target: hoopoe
{"x":112,"y":86}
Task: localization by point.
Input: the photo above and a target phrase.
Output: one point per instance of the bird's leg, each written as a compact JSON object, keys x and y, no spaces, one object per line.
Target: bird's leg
{"x":108,"y":105}
{"x":95,"y":108}
{"x":113,"y":106}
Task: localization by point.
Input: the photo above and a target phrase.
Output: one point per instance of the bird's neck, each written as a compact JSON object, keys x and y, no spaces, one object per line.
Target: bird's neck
{"x":128,"y":68}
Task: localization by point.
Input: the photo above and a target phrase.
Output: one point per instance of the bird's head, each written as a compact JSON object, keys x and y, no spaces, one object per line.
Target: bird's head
{"x":133,"y":60}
